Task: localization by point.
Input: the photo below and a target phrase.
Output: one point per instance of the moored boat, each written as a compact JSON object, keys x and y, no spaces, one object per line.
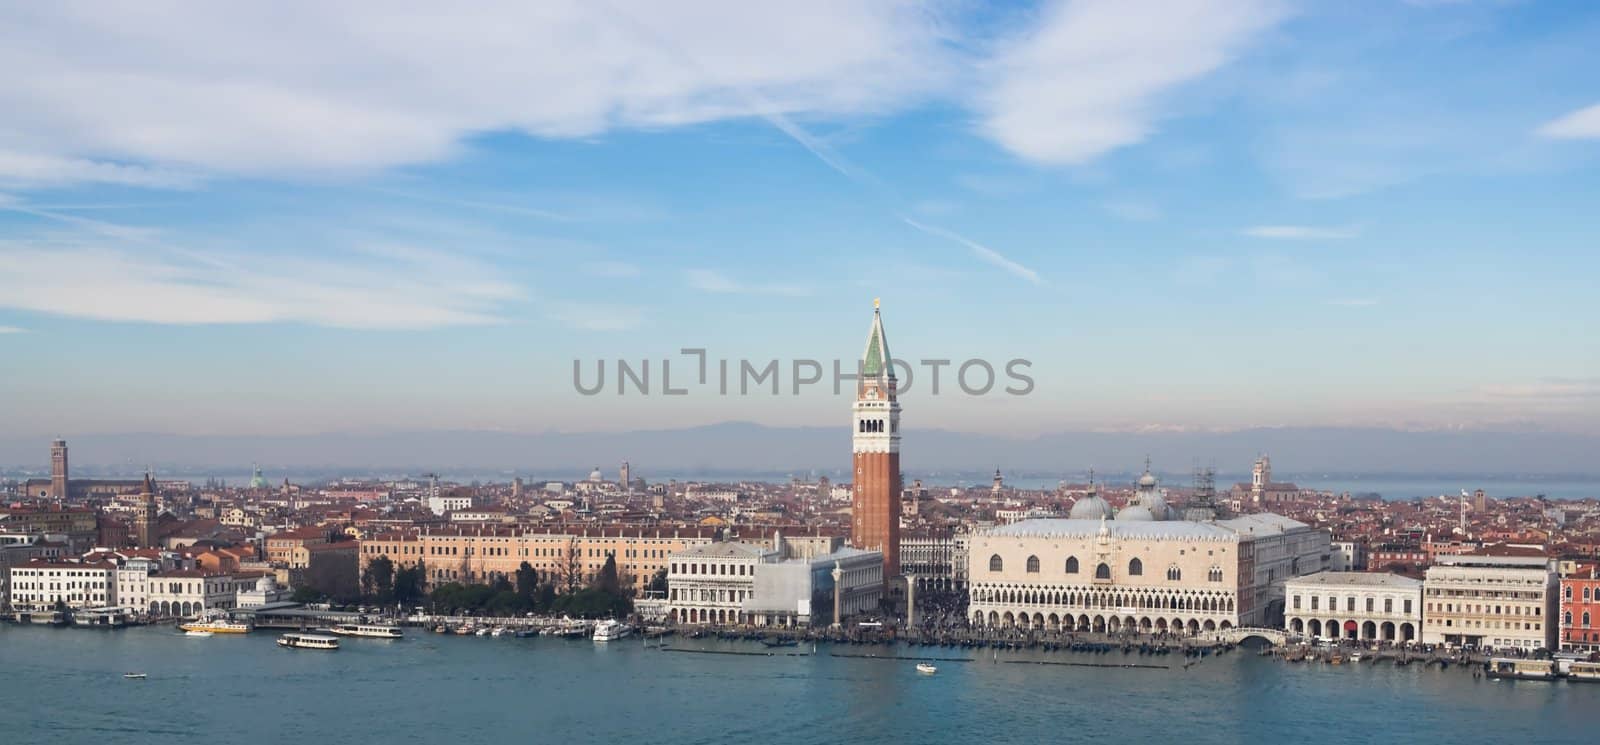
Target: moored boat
{"x":1584,"y":672}
{"x":200,"y":634}
{"x":610,"y":630}
{"x":1519,"y":669}
{"x":308,"y":641}
{"x":926,"y":668}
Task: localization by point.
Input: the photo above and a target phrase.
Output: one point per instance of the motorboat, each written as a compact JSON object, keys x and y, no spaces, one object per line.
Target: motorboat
{"x":135,"y":676}
{"x":217,"y":626}
{"x":610,"y":630}
{"x":308,"y":641}
{"x":1521,"y":669}
{"x":367,"y":631}
{"x":926,"y":668}
{"x":200,"y":634}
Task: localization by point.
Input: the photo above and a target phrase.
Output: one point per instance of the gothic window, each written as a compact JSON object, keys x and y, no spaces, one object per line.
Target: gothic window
{"x":1135,"y":568}
{"x":1215,"y":575}
{"x":1103,"y":571}
{"x":1586,"y":619}
{"x":1033,"y":565}
{"x":1174,"y":573}
{"x":1072,"y":565}
{"x":995,"y":564}
{"x":1568,"y":619}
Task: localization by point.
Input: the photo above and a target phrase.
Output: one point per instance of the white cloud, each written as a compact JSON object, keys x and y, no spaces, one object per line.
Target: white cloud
{"x":137,"y":93}
{"x":1086,"y":80}
{"x":978,"y":249}
{"x":379,"y":287}
{"x":1299,"y":232}
{"x":12,"y":330}
{"x":1583,"y":124}
{"x":708,"y":280}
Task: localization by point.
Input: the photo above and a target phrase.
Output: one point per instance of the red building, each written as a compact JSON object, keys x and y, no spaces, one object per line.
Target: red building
{"x":1580,"y":609}
{"x":875,"y":497}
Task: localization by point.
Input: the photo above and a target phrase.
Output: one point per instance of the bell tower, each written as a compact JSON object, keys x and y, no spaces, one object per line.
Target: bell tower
{"x":875,"y":495}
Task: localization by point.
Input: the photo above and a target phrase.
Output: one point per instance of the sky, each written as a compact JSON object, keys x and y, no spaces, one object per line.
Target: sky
{"x":306,"y":217}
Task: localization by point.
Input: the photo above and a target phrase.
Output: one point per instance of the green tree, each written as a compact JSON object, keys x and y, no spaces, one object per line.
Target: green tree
{"x":607,"y":581}
{"x":658,"y":582}
{"x":527,"y":581}
{"x":378,"y":582}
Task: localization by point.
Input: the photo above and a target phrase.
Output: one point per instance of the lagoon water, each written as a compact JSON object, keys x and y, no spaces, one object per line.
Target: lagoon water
{"x":65,"y":687}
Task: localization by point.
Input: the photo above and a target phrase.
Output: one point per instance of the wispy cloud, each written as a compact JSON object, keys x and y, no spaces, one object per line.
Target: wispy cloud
{"x":1087,"y":79}
{"x":1299,"y":232}
{"x":708,"y":280}
{"x":35,"y":170}
{"x":1545,"y":389}
{"x":1583,"y":124}
{"x":978,"y":249}
{"x":598,"y":317}
{"x":1132,"y":211}
{"x":610,"y":269}
{"x":12,"y":330}
{"x":104,"y":271}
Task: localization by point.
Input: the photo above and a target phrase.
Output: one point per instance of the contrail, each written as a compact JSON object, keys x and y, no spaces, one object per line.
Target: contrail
{"x":983,"y":252}
{"x":823,"y":152}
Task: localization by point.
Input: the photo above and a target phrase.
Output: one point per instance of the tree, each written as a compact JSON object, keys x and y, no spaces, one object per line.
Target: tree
{"x":378,"y":582}
{"x":572,"y":566}
{"x":527,"y":581}
{"x":306,"y":594}
{"x":408,"y":583}
{"x":658,"y":582}
{"x":608,"y":582}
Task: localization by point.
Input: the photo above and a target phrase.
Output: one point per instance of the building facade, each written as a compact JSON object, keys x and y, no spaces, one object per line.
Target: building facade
{"x":1580,"y":609}
{"x":875,"y":446}
{"x":42,"y":584}
{"x":783,"y":585}
{"x":1354,"y":605}
{"x":1501,"y":602}
{"x":480,"y":554}
{"x":1150,"y":575}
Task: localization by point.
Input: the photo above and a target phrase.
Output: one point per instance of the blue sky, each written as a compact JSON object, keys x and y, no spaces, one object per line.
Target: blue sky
{"x":1187,"y":215}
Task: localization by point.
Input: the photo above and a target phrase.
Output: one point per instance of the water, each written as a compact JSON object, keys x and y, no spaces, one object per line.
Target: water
{"x":64,"y":686}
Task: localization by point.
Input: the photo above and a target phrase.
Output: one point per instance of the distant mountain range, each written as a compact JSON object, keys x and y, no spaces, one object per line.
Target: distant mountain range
{"x":740,"y":447}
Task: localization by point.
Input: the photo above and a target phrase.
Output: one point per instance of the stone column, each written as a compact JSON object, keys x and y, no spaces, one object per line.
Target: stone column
{"x":911,"y":601}
{"x":838,"y":594}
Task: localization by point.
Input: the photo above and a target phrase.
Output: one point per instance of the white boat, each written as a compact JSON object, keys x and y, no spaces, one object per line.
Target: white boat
{"x":609,"y":630}
{"x":926,"y":668}
{"x":368,"y":631}
{"x":200,"y":634}
{"x":1521,"y":669}
{"x":485,"y":631}
{"x":308,"y":641}
{"x":1588,"y":672}
{"x":217,"y":626}
{"x":134,"y":676}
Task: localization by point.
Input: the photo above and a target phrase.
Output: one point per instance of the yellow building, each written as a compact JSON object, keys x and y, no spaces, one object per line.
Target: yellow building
{"x":482,"y":553}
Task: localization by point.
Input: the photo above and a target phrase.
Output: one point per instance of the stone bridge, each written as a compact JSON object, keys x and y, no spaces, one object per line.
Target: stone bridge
{"x":1275,"y":637}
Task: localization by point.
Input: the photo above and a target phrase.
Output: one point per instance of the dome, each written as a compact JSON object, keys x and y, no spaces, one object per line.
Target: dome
{"x":595,"y":474}
{"x":1147,"y":480}
{"x":1135,"y":513}
{"x":1090,"y":507}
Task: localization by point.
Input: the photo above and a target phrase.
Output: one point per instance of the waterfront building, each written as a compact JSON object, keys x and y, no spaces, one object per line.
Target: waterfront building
{"x":1153,"y":575}
{"x":265,"y":591}
{"x":42,"y":584}
{"x":1502,"y":599}
{"x":1580,"y":609}
{"x":875,"y":448}
{"x":134,"y":575}
{"x":188,"y":593}
{"x":785,"y":584}
{"x":1354,"y":605}
{"x":481,"y":553}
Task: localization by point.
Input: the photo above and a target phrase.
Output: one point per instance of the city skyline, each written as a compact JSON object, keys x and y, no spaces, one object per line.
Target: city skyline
{"x":1239,"y":216}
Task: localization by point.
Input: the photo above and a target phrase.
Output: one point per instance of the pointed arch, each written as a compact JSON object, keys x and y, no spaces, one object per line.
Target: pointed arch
{"x":1033,"y":565}
{"x":1103,"y":571}
{"x":1135,"y":567}
{"x":996,"y":564}
{"x":1072,"y":565}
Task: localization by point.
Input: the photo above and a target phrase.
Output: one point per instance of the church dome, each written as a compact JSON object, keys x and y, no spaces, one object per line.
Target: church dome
{"x":595,"y":474}
{"x":1090,"y":507}
{"x":1147,"y":480}
{"x":1135,"y":513}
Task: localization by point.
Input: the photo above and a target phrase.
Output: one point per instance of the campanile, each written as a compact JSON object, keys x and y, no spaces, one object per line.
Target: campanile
{"x":875,"y":497}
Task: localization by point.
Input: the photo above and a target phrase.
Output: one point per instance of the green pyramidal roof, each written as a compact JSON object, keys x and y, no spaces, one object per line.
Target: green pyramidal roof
{"x":876,"y":360}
